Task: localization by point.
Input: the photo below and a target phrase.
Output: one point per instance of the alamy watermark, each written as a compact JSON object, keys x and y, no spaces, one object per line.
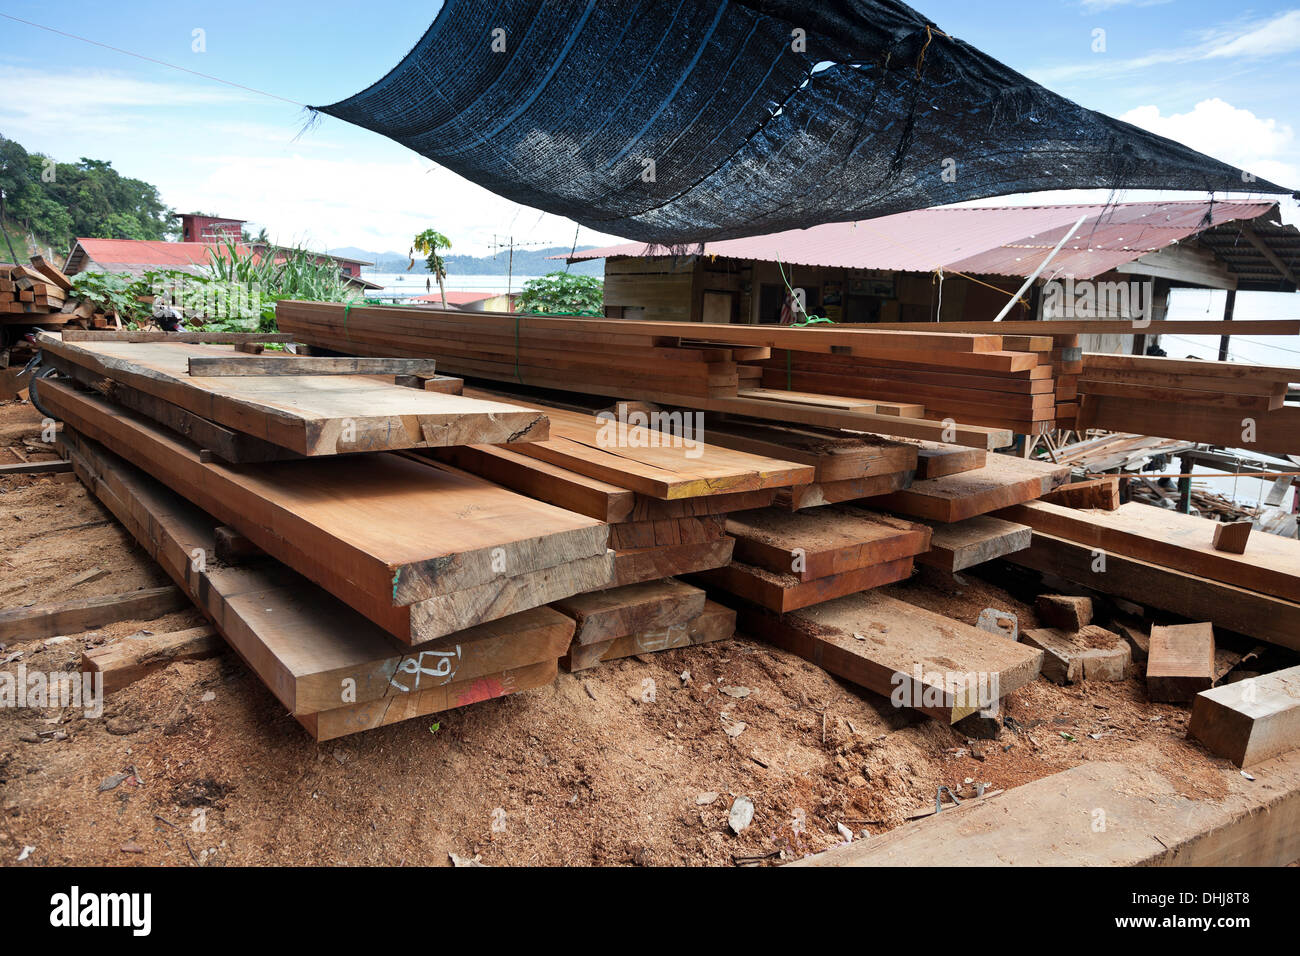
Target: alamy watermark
{"x":657,"y":429}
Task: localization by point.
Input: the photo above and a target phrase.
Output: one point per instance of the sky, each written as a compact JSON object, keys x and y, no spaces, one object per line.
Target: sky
{"x":1216,"y":76}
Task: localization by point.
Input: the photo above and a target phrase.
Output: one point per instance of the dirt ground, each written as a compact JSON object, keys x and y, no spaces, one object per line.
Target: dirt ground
{"x":579,"y":773}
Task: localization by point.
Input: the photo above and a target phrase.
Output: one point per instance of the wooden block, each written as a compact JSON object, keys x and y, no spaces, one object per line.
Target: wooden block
{"x":617,"y":612}
{"x":1231,"y":536}
{"x":73,"y":617}
{"x":1251,"y":720}
{"x":1180,"y":662}
{"x":1139,"y":641}
{"x":1100,"y":493}
{"x":919,"y":659}
{"x":1092,"y":653}
{"x":964,"y":544}
{"x":714,"y":623}
{"x":132,"y":658}
{"x":1064,"y":612}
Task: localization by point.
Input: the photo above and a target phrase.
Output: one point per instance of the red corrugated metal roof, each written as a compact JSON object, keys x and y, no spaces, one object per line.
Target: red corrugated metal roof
{"x":455,"y":297}
{"x":979,"y":240}
{"x":147,"y":252}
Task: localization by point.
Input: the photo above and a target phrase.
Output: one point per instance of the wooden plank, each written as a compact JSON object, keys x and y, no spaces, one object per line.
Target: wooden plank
{"x":1180,"y":661}
{"x":1174,"y":366}
{"x":635,"y":565}
{"x":617,"y":612}
{"x":542,"y":480}
{"x":1066,"y":327}
{"x":651,"y":461}
{"x":834,"y":455}
{"x":286,"y":364}
{"x":1191,"y":396}
{"x":311,"y":415}
{"x":309,"y":648}
{"x":936,"y":459}
{"x":840,"y":402}
{"x":133,"y":658}
{"x":1178,"y":541}
{"x":185,"y":338}
{"x":714,"y":623}
{"x":226,"y":443}
{"x":383,"y":532}
{"x":835,"y":492}
{"x":1003,"y":481}
{"x":920,"y":659}
{"x":34,"y":467}
{"x":354,"y":718}
{"x":823,"y":541}
{"x":786,"y":592}
{"x":1232,"y":608}
{"x":964,"y":544}
{"x":1252,"y":720}
{"x":82,"y":614}
{"x":1276,"y":431}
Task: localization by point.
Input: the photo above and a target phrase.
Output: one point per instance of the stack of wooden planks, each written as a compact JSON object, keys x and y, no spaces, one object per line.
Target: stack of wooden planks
{"x":333,"y":669}
{"x":1012,"y":388}
{"x":784,"y":560}
{"x":641,"y":619}
{"x":645,"y":361}
{"x":40,"y":294}
{"x":1221,"y":403}
{"x":1167,"y":560}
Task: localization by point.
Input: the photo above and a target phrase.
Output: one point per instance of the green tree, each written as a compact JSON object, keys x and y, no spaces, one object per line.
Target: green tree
{"x":563,"y":293}
{"x":427,"y":244}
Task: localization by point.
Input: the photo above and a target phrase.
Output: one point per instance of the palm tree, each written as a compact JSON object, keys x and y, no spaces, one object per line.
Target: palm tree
{"x":427,"y":244}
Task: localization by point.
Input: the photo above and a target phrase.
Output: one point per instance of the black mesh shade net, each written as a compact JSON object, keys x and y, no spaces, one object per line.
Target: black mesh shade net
{"x":692,"y":120}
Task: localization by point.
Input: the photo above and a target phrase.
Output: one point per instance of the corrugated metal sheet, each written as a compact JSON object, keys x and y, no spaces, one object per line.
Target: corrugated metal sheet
{"x":984,"y":240}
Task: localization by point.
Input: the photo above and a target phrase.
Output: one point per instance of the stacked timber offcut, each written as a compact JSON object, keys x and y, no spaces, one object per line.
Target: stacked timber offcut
{"x":1221,"y":403}
{"x":979,"y":380}
{"x":41,"y":295}
{"x":641,"y":619}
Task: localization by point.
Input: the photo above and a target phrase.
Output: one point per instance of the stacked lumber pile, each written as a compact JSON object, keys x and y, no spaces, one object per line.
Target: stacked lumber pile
{"x":641,"y":619}
{"x":40,"y":294}
{"x":423,"y":563}
{"x":785,"y":561}
{"x":1169,"y":561}
{"x":1013,"y":388}
{"x":654,"y":362}
{"x":1221,"y":403}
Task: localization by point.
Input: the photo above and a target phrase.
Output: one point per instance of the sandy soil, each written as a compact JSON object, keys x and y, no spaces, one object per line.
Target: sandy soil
{"x":582,"y":772}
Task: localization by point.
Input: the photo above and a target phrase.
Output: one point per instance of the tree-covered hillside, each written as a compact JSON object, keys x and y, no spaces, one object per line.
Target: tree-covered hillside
{"x":53,"y":203}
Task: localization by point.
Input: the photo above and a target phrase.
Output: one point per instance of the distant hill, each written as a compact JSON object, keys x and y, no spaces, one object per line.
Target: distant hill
{"x":528,"y":262}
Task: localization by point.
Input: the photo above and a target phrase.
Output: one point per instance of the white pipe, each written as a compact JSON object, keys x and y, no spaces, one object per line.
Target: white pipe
{"x":1041,"y":266}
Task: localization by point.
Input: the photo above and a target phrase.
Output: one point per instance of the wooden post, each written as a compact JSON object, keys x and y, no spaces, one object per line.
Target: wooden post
{"x":1185,"y":485}
{"x":1229,"y":306}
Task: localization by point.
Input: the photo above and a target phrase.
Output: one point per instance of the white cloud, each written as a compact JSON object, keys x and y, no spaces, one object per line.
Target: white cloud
{"x":1234,"y":135}
{"x":1275,"y":37}
{"x":94,"y":101}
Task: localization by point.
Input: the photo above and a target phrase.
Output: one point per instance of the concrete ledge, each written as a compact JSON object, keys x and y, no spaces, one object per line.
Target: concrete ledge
{"x":1052,"y":822}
